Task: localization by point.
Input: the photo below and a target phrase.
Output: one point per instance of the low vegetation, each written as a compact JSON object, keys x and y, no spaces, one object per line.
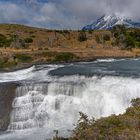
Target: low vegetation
{"x":14,"y":41}
{"x":60,"y":57}
{"x":82,"y":36}
{"x":65,"y":57}
{"x":23,"y":58}
{"x":127,"y":39}
{"x":122,"y":127}
{"x":4,"y":42}
{"x":28,"y":40}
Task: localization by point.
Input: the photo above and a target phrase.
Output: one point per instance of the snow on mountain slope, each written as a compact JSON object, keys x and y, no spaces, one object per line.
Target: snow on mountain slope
{"x":107,"y":22}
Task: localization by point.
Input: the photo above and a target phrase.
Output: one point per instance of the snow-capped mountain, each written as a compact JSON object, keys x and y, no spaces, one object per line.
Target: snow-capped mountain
{"x":107,"y":22}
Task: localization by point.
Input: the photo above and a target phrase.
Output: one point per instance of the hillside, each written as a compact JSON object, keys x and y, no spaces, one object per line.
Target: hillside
{"x":22,"y":46}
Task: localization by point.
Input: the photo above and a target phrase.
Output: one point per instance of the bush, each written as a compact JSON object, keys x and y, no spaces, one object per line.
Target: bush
{"x":66,"y":31}
{"x":133,"y":38}
{"x":4,"y":42}
{"x":82,"y":36}
{"x":97,"y":38}
{"x":90,"y":31}
{"x":136,"y":102}
{"x":28,"y":40}
{"x":106,"y":37}
{"x":66,"y":57}
{"x":9,"y":64}
{"x":23,"y":58}
{"x":33,"y":36}
{"x":130,"y":42}
{"x":128,"y":39}
{"x":117,"y":30}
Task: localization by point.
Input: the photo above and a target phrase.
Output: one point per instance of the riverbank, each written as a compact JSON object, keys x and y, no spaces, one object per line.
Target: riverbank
{"x":60,"y":58}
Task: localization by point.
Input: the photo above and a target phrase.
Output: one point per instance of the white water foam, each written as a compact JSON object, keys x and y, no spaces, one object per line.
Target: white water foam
{"x":106,"y":60}
{"x":16,"y":75}
{"x":39,"y":109}
{"x":28,"y":74}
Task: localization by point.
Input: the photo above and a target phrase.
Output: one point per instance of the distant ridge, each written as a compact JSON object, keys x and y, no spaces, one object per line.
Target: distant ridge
{"x":108,"y":21}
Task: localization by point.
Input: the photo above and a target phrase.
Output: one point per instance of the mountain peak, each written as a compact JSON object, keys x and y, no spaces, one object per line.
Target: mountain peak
{"x":109,"y":21}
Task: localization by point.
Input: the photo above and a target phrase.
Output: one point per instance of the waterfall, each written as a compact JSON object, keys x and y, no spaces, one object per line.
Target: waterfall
{"x":55,"y":105}
{"x":50,"y":97}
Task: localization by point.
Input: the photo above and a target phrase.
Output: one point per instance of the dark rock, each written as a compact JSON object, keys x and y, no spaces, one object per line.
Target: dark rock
{"x":7,"y":94}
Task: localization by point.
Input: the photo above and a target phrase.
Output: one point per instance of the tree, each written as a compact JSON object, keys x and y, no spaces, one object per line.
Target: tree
{"x":119,"y":33}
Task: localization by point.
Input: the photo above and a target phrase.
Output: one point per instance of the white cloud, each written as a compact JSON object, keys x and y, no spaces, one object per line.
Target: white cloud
{"x":65,"y":13}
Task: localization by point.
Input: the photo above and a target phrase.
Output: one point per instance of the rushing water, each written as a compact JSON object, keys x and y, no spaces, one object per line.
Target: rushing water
{"x":50,"y":97}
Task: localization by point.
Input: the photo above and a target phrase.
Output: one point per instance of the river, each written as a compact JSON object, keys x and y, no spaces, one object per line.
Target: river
{"x":49,"y":97}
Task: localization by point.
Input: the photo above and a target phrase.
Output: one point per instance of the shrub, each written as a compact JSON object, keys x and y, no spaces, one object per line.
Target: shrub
{"x":64,"y":57}
{"x":66,"y":31}
{"x":90,"y":31}
{"x":128,"y":39}
{"x":133,"y":38}
{"x":130,"y":42}
{"x":23,"y":58}
{"x":117,"y":30}
{"x":28,"y":40}
{"x":9,"y":64}
{"x":106,"y":37}
{"x":46,"y":49}
{"x":31,"y":32}
{"x":97,"y":38}
{"x":82,"y":36}
{"x":33,"y":36}
{"x":4,"y":42}
{"x":4,"y":63}
{"x":136,"y":102}
{"x":59,"y":31}
{"x":40,"y":49}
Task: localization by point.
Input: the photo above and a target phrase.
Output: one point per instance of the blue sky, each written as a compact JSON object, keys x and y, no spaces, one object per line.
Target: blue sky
{"x":60,"y":14}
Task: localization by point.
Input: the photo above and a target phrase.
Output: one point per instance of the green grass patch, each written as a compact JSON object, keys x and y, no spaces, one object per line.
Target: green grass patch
{"x":23,"y":58}
{"x":4,"y":65}
{"x":60,"y":57}
{"x":65,"y":57}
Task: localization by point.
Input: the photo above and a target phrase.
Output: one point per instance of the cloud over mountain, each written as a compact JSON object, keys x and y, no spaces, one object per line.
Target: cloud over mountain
{"x":64,"y":13}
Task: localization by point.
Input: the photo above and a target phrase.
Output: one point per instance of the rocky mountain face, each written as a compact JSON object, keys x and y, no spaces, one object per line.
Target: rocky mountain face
{"x":107,"y":22}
